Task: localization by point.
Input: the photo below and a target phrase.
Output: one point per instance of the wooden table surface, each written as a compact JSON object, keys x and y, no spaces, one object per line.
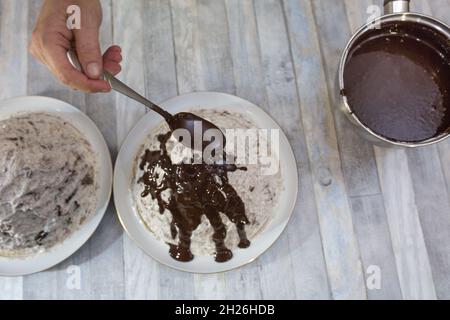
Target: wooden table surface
{"x":362,"y":211}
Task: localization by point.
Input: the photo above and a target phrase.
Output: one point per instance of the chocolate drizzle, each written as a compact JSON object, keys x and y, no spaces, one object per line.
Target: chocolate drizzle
{"x":196,"y":190}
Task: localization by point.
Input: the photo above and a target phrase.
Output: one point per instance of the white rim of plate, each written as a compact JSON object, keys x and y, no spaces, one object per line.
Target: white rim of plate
{"x":19,"y":266}
{"x":136,"y":229}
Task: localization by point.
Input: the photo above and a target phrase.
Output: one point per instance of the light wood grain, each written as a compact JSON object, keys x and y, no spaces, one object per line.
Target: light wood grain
{"x":370,"y":220}
{"x":358,"y":206}
{"x":433,"y":206}
{"x":358,"y":162}
{"x":440,"y":9}
{"x":374,"y":239}
{"x":204,"y":24}
{"x":282,"y":98}
{"x":41,"y":82}
{"x":339,"y":242}
{"x":403,"y":207}
{"x":106,"y":245}
{"x":161,"y":84}
{"x":411,"y":255}
{"x":359,"y":12}
{"x":249,"y":84}
{"x":140,"y":271}
{"x":13,"y":67}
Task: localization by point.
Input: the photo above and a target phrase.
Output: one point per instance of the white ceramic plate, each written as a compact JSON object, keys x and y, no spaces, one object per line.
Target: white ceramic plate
{"x":53,"y":256}
{"x":159,"y":250}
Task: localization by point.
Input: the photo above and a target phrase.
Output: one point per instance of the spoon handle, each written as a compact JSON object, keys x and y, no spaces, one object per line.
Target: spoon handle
{"x":121,"y":87}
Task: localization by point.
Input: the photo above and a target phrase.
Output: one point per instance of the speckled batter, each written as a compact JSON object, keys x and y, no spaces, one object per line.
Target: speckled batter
{"x":47,"y":182}
{"x":259,"y":192}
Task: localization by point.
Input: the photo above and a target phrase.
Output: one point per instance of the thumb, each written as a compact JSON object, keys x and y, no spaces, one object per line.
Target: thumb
{"x":88,"y":49}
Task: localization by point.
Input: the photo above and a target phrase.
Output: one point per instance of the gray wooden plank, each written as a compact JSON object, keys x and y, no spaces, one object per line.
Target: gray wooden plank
{"x":106,"y":260}
{"x":359,"y":12}
{"x":415,"y":192}
{"x":160,"y":71}
{"x":161,"y":84}
{"x":311,"y":280}
{"x":184,"y":282}
{"x":216,"y":61}
{"x":73,"y":277}
{"x":244,"y":45}
{"x":140,"y":271}
{"x":203,"y":58}
{"x":339,"y":242}
{"x":106,"y":247}
{"x":302,"y":233}
{"x":358,"y":162}
{"x":11,"y":288}
{"x":128,"y":112}
{"x":13,"y":70}
{"x":202,"y":48}
{"x":416,"y":202}
{"x":186,"y":44}
{"x":370,"y":220}
{"x":248,"y":75}
{"x":440,"y":9}
{"x":444,"y":154}
{"x":375,"y":245}
{"x":160,"y":77}
{"x":410,"y":251}
{"x":421,"y":6}
{"x":52,"y":284}
{"x":100,"y":107}
{"x":209,"y":287}
{"x":13,"y":47}
{"x":282,"y":104}
{"x":433,"y":205}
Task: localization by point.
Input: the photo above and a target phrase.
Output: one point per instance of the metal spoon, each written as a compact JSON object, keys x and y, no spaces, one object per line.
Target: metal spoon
{"x":183,"y":120}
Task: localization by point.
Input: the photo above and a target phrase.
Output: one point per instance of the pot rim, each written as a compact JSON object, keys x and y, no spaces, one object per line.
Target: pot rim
{"x":393,"y":17}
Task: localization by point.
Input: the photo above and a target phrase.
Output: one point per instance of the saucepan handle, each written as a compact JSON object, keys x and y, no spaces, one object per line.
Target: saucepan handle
{"x":396,"y":6}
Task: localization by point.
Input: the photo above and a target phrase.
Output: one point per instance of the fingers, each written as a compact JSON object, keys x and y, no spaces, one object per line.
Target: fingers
{"x":88,"y":50}
{"x":87,"y":42}
{"x":113,"y":53}
{"x":59,"y":64}
{"x":52,"y":52}
{"x":51,"y":39}
{"x":111,"y":60}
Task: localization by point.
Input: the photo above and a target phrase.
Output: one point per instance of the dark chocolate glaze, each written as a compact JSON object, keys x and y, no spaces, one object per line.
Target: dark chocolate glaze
{"x":187,"y":121}
{"x":397,"y":82}
{"x":196,"y":190}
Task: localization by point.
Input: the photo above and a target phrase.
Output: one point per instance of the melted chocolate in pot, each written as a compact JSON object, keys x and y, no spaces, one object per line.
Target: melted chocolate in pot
{"x":196,"y":190}
{"x":397,"y":81}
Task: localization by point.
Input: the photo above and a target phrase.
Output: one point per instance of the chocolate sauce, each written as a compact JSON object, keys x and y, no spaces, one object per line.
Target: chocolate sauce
{"x":189,"y":121}
{"x":196,"y":190}
{"x":397,"y":81}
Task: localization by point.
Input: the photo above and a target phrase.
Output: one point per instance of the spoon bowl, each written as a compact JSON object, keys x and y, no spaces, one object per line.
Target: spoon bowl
{"x":196,"y":132}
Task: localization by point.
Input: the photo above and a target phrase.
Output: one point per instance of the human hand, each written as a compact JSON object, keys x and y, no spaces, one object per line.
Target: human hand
{"x":52,"y":39}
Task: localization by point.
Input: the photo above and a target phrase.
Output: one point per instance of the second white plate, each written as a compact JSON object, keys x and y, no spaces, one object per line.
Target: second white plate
{"x":41,"y":261}
{"x":133,"y":224}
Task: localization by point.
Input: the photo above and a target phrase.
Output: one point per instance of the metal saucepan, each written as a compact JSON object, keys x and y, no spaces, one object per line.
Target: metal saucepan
{"x":394,"y":11}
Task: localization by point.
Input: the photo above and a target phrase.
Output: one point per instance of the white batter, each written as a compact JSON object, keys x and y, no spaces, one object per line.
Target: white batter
{"x":259,"y":192}
{"x":48,"y":182}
